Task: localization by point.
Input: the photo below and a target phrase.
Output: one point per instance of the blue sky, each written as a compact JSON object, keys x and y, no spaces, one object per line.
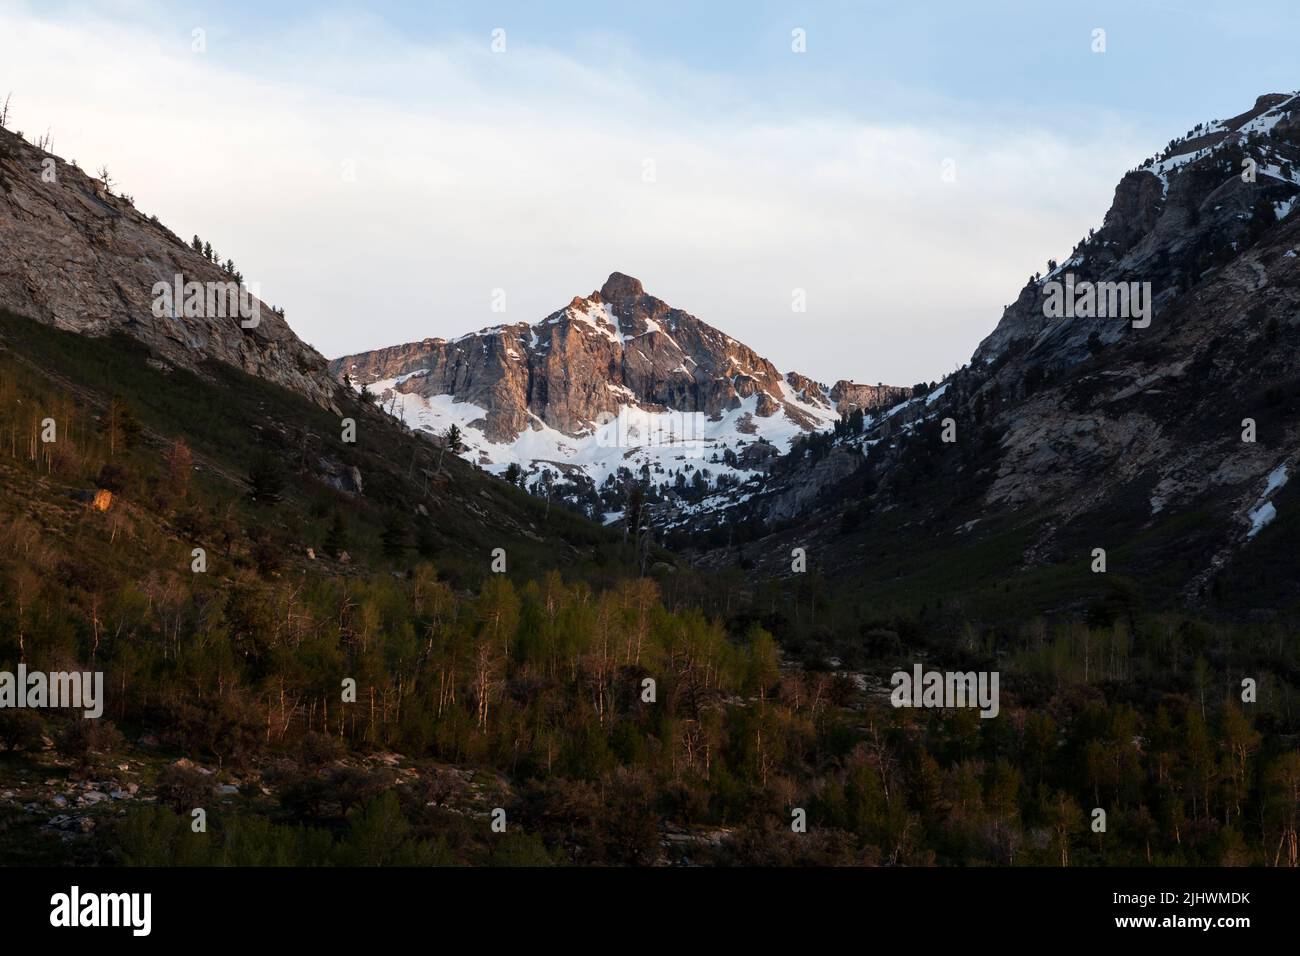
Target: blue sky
{"x":1166,"y":62}
{"x":681,"y":142}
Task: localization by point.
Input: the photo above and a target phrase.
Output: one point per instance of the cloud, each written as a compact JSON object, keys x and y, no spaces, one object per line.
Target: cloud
{"x":380,"y":187}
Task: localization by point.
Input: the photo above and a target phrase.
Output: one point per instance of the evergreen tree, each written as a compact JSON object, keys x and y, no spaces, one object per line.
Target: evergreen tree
{"x":267,"y":478}
{"x":121,"y":426}
{"x":394,"y":535}
{"x":336,"y":539}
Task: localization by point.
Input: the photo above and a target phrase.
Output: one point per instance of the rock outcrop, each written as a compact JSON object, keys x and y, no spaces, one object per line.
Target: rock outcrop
{"x":76,"y":256}
{"x":1169,"y":438}
{"x":600,"y":353}
{"x":848,"y":396}
{"x":1185,"y":212}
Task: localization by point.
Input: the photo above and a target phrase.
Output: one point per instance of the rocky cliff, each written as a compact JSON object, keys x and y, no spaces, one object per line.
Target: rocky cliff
{"x":1166,"y":431}
{"x":1183,"y":213}
{"x":76,"y":256}
{"x":615,"y":349}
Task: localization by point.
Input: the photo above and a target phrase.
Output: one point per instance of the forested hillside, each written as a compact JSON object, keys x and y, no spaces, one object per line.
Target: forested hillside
{"x":525,"y":693}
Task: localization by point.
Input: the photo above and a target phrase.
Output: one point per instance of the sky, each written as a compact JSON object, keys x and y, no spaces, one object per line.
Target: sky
{"x":390,"y":171}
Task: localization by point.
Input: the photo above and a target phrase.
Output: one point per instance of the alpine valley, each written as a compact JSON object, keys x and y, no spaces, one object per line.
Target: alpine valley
{"x":1171,"y":426}
{"x":616,"y":577}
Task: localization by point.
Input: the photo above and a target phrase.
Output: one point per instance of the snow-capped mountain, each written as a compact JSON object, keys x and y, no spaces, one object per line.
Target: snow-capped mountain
{"x":1185,"y":211}
{"x":614,"y":380}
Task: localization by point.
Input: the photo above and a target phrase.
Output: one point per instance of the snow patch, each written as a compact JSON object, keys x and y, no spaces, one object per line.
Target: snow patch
{"x":675,"y":439}
{"x":1259,"y":517}
{"x":1276,"y":479}
{"x":1264,"y":511}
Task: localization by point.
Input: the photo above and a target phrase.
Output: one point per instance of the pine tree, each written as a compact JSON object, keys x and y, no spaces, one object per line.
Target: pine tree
{"x":336,"y":540}
{"x":267,"y":478}
{"x":393,"y":537}
{"x":122,"y":428}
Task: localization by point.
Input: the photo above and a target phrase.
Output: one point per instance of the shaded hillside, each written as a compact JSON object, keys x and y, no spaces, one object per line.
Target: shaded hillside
{"x":1170,"y":445}
{"x":397,"y":496}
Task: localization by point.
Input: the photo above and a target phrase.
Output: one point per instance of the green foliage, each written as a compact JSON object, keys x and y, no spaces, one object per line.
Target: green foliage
{"x":395,"y":535}
{"x":266,"y":478}
{"x":521,"y":849}
{"x":336,"y":541}
{"x":378,"y":835}
{"x":526,"y":691}
{"x":183,"y":788}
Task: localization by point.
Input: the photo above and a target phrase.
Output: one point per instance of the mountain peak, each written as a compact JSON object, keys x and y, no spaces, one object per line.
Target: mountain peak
{"x":1185,"y":212}
{"x":542,"y":396}
{"x":619,"y":287}
{"x":1267,"y":101}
